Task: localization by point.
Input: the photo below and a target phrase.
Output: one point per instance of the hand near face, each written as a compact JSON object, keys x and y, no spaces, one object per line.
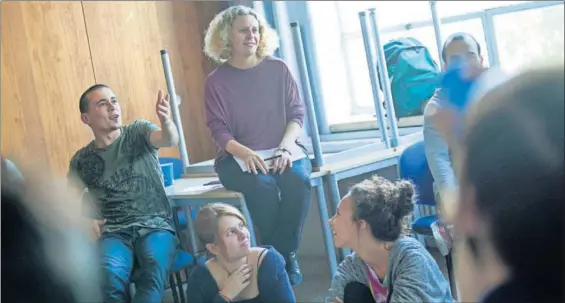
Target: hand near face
{"x":237,"y":282}
{"x":163,"y":107}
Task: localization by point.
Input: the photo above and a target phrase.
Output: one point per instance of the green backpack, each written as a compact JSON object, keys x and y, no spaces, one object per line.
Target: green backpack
{"x":413,"y":73}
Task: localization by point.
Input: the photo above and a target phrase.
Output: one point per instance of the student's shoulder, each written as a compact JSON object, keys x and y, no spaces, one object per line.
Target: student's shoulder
{"x":267,"y":256}
{"x":276,"y":62}
{"x":83,"y":153}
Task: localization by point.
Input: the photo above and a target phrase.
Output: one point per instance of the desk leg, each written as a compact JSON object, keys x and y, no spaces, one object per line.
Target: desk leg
{"x":328,"y":238}
{"x":335,"y":197}
{"x":247,"y":216}
{"x":193,"y":237}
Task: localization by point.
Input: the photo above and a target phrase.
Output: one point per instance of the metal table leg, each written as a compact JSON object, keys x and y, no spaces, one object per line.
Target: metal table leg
{"x":328,"y":239}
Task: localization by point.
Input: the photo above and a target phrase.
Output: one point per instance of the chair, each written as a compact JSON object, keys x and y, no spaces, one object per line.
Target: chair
{"x":413,"y":166}
{"x":183,"y":261}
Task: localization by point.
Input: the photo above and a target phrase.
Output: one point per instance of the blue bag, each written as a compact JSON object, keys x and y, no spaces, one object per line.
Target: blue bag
{"x":413,"y":73}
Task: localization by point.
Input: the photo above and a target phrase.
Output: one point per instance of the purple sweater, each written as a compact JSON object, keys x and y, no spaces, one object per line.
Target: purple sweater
{"x":252,"y":106}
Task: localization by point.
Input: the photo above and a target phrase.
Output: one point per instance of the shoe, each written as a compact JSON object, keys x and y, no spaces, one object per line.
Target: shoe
{"x":293,"y":269}
{"x":442,"y":237}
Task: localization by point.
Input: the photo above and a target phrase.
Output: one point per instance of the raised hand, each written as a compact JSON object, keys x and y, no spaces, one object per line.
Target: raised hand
{"x":163,"y":107}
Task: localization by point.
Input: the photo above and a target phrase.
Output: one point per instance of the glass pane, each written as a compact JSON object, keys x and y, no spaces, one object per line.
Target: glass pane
{"x":388,"y":13}
{"x":357,"y":64}
{"x":454,"y":8}
{"x":529,"y":38}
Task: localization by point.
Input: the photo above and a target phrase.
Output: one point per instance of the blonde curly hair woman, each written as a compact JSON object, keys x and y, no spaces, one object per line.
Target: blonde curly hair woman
{"x":252,"y":104}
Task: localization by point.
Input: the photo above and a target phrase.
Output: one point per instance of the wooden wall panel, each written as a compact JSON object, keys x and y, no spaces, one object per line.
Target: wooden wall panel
{"x":125,"y":39}
{"x":53,"y":51}
{"x":45,"y":66}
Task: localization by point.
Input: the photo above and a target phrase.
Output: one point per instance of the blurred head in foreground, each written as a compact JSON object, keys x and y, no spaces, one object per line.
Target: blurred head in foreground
{"x":46,"y":254}
{"x":511,"y":187}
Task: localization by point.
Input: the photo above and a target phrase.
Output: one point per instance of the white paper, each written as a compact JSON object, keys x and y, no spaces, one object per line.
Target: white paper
{"x":196,"y":190}
{"x":296,"y":154}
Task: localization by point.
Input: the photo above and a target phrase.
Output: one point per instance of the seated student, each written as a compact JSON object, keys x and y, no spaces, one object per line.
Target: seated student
{"x":438,"y":153}
{"x":253,"y":103}
{"x":236,"y":272}
{"x":511,"y":211}
{"x":121,"y":170}
{"x":387,"y":266}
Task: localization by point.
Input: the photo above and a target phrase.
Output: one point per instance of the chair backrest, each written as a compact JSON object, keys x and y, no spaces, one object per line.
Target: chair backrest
{"x":413,"y":166}
{"x":177,"y":166}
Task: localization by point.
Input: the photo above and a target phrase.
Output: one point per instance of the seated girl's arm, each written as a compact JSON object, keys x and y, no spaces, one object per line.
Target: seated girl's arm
{"x":343,"y":275}
{"x":295,"y":109}
{"x":274,"y":285}
{"x":419,"y":279}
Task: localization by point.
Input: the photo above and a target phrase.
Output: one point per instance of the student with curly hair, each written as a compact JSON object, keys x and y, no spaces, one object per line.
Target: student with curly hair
{"x":253,"y":103}
{"x":387,"y":266}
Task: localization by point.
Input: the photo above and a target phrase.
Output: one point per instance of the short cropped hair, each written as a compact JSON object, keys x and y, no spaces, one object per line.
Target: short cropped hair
{"x":458,"y":37}
{"x":216,"y":41}
{"x":83,"y":103}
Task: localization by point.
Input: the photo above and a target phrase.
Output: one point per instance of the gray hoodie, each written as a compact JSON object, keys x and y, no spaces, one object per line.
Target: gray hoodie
{"x":412,"y":275}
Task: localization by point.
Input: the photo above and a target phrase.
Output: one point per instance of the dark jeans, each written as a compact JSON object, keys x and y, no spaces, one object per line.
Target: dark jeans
{"x":278,"y":203}
{"x":356,"y":292}
{"x":154,"y":252}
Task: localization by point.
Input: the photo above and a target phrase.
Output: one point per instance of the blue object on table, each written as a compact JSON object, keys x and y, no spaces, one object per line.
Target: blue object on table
{"x":177,"y":166}
{"x":168,"y":174}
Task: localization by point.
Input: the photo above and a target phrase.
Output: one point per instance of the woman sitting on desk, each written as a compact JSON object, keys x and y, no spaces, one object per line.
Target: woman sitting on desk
{"x":253,"y":104}
{"x":236,"y":272}
{"x":387,"y":266}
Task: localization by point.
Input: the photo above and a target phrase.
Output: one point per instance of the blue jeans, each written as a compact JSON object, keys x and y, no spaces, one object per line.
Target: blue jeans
{"x":151,"y":252}
{"x":278,"y":203}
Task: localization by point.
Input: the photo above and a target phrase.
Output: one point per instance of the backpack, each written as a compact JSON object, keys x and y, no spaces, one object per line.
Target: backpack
{"x":413,"y":73}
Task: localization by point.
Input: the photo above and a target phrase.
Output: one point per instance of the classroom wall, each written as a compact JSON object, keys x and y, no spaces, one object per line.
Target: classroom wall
{"x":52,"y":51}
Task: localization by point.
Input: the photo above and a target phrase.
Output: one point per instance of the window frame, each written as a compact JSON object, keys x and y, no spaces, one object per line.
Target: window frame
{"x":486,"y":16}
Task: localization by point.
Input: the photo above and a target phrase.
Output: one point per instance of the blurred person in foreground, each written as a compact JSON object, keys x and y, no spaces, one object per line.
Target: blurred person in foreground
{"x":46,"y":252}
{"x":511,"y":198}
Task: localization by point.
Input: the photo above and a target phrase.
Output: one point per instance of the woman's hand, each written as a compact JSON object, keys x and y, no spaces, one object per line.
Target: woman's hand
{"x":254,"y":162}
{"x":282,"y":160}
{"x":236,"y":282}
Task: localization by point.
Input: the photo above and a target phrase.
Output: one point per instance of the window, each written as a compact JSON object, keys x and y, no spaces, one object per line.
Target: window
{"x":454,"y":8}
{"x":529,"y":38}
{"x":524,"y":38}
{"x":358,"y":70}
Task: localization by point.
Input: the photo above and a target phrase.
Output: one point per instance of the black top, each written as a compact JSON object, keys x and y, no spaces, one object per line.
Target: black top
{"x":273,"y":283}
{"x":515,"y":291}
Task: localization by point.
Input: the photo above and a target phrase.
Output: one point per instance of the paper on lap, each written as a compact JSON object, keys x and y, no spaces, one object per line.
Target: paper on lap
{"x":296,"y":154}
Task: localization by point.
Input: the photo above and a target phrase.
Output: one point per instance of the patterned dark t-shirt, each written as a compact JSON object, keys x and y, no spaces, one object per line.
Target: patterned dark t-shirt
{"x":125,"y":180}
